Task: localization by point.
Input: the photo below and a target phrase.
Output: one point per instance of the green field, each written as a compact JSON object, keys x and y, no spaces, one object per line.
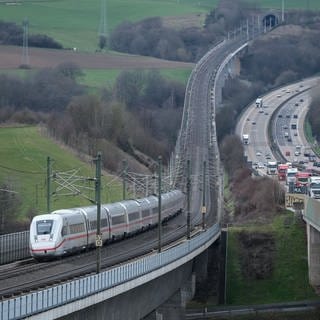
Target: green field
{"x":23,"y":160}
{"x":75,"y":23}
{"x":94,"y":78}
{"x":289,"y":280}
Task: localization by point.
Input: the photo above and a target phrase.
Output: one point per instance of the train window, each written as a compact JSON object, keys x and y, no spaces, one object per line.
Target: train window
{"x":133,"y":216}
{"x":117,"y":220}
{"x":93,"y":225}
{"x":104,"y":222}
{"x":145,"y":213}
{"x":44,"y":226}
{"x":155,"y":210}
{"x":76,"y":228}
{"x":64,"y":231}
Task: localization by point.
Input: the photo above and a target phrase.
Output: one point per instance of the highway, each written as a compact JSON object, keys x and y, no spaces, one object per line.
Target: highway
{"x":282,"y":108}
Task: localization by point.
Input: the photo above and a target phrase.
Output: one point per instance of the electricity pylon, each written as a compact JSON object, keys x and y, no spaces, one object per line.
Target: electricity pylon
{"x":103,"y":25}
{"x":25,"y":49}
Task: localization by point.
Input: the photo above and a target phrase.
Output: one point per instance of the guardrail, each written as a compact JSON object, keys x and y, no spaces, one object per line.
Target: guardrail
{"x":43,"y":300}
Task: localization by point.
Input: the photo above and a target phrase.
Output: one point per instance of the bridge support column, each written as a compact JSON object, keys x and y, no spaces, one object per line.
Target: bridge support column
{"x":174,"y":308}
{"x":201,"y":267}
{"x":313,"y":255}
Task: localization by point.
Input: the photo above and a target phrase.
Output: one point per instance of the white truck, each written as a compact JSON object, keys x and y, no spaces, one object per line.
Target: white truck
{"x":259,"y":103}
{"x":272,"y":167}
{"x":245,"y":139}
{"x":314,"y":187}
{"x":291,"y":178}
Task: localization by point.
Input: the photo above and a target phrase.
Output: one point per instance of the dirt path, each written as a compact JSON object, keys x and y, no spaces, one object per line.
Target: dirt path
{"x":11,"y":57}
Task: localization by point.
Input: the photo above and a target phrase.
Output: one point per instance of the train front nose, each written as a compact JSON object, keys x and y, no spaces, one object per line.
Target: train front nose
{"x":43,"y":245}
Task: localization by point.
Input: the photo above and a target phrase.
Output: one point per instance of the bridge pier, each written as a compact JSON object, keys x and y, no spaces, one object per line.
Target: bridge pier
{"x":201,"y":267}
{"x":313,"y":255}
{"x":174,"y":308}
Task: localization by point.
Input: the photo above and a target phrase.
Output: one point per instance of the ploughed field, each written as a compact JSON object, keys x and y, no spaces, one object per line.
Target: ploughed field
{"x":11,"y":58}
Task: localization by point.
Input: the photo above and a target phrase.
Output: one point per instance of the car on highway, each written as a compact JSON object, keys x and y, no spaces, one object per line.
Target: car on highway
{"x":258,"y":153}
{"x":312,"y":158}
{"x":280,"y":115}
{"x":260,"y":165}
{"x":253,"y":122}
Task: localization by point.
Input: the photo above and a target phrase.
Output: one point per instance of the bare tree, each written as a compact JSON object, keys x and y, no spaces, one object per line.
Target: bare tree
{"x":9,"y":203}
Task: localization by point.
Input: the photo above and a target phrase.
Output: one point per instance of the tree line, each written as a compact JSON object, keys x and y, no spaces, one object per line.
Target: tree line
{"x":12,"y":34}
{"x":269,"y":63}
{"x":141,"y":112}
{"x":150,"y":37}
{"x":255,"y":198}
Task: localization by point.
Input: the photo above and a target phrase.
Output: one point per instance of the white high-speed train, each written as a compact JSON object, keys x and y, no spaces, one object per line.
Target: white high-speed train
{"x":70,"y":230}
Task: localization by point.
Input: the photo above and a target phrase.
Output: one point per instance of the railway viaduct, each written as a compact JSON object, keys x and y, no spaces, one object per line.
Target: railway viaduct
{"x":134,"y":289}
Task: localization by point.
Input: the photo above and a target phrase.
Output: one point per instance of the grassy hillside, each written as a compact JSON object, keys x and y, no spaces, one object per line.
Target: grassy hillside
{"x":286,"y":278}
{"x":23,"y":162}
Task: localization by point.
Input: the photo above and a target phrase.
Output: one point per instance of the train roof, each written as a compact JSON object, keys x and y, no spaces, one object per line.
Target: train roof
{"x":47,"y":216}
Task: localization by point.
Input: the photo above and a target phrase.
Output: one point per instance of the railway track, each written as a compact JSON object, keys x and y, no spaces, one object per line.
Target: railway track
{"x":24,"y":276}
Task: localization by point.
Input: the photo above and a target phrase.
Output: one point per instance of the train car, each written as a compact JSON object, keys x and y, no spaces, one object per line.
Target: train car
{"x":70,"y":230}
{"x":118,"y":220}
{"x":146,"y":205}
{"x":58,"y":233}
{"x":90,"y":214}
{"x":133,"y":213}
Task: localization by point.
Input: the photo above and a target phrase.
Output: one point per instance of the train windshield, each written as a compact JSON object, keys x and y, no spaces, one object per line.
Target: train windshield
{"x":44,"y":226}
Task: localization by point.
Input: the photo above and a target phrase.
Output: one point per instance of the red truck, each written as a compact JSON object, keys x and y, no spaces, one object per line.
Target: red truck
{"x":301,"y":184}
{"x":282,"y":171}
